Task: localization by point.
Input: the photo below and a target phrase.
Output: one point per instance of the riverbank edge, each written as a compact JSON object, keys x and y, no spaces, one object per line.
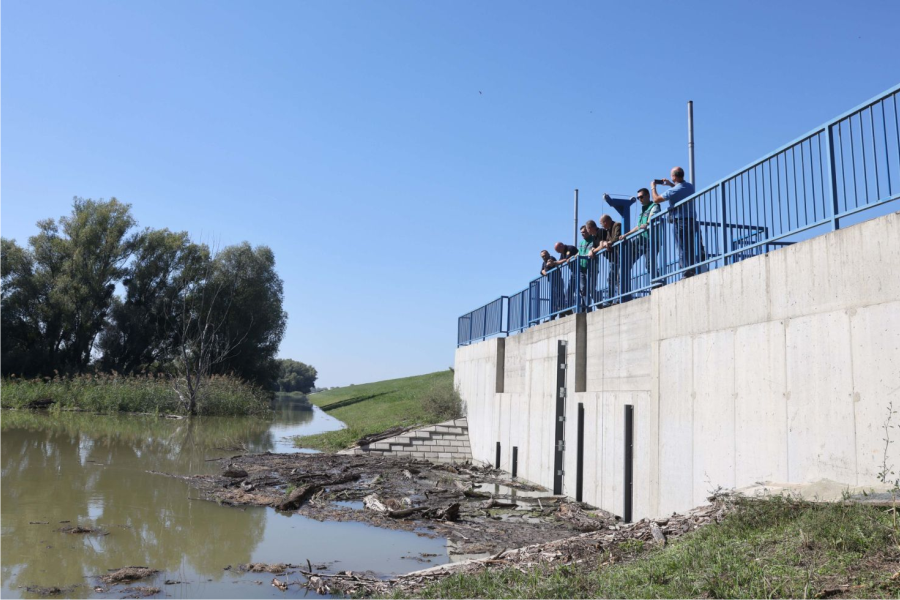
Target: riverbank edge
{"x":371,"y":408}
{"x":141,"y":394}
{"x":777,"y":546}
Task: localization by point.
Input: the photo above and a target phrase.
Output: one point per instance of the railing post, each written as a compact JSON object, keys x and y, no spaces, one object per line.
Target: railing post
{"x":651,"y":260}
{"x":470,"y":327}
{"x":504,"y":302}
{"x":723,"y":235}
{"x":579,"y":301}
{"x":832,"y":179}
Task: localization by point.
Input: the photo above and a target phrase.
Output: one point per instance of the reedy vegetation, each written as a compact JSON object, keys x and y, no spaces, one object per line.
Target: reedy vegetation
{"x":110,"y":392}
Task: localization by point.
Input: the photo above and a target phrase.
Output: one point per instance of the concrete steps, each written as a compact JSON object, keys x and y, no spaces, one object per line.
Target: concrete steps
{"x":445,"y":442}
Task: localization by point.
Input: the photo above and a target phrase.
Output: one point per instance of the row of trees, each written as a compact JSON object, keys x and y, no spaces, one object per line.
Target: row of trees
{"x":294,"y":376}
{"x":90,"y":292}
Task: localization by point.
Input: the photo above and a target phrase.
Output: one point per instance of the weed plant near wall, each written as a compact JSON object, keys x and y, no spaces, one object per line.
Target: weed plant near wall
{"x":109,"y":393}
{"x":768,"y":548}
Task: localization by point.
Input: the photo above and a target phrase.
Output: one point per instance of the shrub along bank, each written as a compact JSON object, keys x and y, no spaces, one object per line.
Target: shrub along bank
{"x":375,"y":407}
{"x":222,"y":395}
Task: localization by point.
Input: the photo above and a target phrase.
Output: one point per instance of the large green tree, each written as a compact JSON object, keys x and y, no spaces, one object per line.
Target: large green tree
{"x":184,"y":309}
{"x":139,"y":335}
{"x":249,"y":295}
{"x":294,"y":376}
{"x":58,"y":292}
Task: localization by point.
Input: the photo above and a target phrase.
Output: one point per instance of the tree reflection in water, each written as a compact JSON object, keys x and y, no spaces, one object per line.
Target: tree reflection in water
{"x":91,"y":469}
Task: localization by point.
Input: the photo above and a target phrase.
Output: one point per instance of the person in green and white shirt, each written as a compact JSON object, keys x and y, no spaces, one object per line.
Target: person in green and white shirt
{"x":640,"y":244}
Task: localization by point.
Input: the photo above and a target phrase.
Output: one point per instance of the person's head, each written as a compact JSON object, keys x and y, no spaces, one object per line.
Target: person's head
{"x":584,"y":232}
{"x":677,"y":175}
{"x":606,"y":222}
{"x":559,"y":247}
{"x":643,"y":196}
{"x":591,"y":227}
{"x":545,"y":256}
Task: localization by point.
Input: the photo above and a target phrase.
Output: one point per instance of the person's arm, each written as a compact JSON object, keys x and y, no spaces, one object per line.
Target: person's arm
{"x":656,"y":197}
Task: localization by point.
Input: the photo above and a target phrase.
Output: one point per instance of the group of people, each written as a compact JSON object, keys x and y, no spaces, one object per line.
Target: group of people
{"x":602,"y":239}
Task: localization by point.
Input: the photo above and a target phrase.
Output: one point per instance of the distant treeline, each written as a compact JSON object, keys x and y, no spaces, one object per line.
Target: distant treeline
{"x":91,"y":293}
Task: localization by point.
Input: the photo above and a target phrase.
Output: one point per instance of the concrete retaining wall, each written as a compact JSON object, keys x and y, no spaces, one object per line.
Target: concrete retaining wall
{"x":779,"y":368}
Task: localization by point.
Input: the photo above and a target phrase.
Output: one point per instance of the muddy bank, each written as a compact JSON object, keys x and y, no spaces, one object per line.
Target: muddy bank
{"x":481,"y":511}
{"x":491,"y":521}
{"x":598,"y":548}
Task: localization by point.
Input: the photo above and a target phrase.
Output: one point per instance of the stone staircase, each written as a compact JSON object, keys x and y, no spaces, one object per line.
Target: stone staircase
{"x":446,"y":442}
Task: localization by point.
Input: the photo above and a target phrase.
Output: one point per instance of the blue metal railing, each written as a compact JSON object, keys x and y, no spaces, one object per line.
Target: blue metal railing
{"x":844,"y":167}
{"x":806,"y":187}
{"x":482,"y":322}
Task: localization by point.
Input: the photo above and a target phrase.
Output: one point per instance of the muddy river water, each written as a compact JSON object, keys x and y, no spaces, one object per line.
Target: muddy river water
{"x":92,"y":471}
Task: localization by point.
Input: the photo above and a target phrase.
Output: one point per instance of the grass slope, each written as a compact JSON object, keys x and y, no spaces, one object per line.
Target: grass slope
{"x":779,"y":548}
{"x":375,"y":407}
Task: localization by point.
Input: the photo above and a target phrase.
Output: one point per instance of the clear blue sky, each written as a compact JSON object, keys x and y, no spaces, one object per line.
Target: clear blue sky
{"x":406,"y":161}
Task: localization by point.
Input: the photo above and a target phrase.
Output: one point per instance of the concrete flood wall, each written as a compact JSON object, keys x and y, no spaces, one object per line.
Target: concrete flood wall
{"x":778,"y":368}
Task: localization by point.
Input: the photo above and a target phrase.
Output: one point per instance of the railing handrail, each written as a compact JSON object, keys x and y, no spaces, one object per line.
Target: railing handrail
{"x":816,"y":130}
{"x":737,"y":217}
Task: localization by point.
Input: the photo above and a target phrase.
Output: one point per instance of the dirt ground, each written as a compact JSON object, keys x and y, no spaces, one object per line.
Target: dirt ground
{"x":491,"y":520}
{"x":480,"y":510}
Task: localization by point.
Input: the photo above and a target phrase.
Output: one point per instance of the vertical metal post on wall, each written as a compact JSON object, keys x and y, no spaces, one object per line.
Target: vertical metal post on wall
{"x":832,"y":179}
{"x":629,"y":462}
{"x":579,"y":468}
{"x":575,"y":243}
{"x":497,"y":460}
{"x":559,"y":425}
{"x":723,"y":235}
{"x":692,"y":176}
{"x":515,"y":465}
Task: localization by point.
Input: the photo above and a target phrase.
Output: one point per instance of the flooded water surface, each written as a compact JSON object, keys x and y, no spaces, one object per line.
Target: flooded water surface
{"x":97,"y":471}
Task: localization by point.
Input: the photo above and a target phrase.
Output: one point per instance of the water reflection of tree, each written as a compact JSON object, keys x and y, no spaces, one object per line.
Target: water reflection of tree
{"x":292,"y":410}
{"x":74,"y":467}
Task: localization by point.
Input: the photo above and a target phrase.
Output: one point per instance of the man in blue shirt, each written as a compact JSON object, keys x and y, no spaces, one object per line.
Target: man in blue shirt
{"x":684,"y":218}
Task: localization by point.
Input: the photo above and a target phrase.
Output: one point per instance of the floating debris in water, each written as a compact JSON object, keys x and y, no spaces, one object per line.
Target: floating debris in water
{"x":126,"y":574}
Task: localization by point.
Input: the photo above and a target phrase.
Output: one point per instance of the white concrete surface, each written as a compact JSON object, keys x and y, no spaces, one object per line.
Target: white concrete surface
{"x":778,"y":368}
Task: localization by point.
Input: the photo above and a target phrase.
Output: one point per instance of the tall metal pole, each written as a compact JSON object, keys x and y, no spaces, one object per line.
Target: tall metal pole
{"x":575,"y":243}
{"x":692,"y":177}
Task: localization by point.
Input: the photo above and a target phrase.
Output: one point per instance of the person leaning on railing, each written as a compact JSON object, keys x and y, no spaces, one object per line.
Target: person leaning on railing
{"x":586,"y":248}
{"x":639,"y":245}
{"x":684,"y":219}
{"x":561,"y":288}
{"x":609,"y":233}
{"x":565,"y":253}
{"x":548,"y":263}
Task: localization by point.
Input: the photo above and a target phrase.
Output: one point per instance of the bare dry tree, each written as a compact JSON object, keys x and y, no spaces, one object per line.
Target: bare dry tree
{"x":200,"y":337}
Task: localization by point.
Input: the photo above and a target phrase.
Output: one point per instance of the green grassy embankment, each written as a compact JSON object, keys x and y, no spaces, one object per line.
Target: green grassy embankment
{"x":773,"y":548}
{"x":106,"y":393}
{"x":375,"y":407}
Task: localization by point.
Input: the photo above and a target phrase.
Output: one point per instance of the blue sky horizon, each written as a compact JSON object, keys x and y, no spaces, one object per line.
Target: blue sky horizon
{"x":406,"y":161}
